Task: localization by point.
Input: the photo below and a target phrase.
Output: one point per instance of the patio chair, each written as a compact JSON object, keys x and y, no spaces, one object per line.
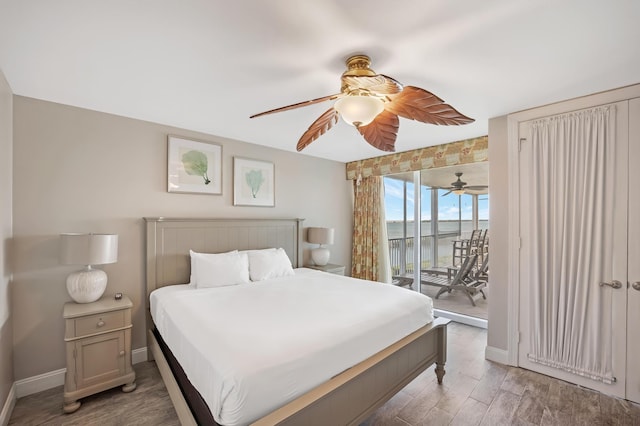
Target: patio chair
{"x":482,"y":274}
{"x":461,"y":280}
{"x":480,"y":246}
{"x":401,"y":281}
{"x":463,"y":247}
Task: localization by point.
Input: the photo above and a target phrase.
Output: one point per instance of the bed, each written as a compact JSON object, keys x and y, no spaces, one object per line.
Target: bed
{"x":346,"y":397}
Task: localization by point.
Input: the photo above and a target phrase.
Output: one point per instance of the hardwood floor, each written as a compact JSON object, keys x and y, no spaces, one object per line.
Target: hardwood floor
{"x":148,"y":404}
{"x":475,"y":392}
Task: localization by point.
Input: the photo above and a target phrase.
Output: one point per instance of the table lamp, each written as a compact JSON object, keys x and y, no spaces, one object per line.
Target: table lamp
{"x":88,"y":285}
{"x":320,"y":255}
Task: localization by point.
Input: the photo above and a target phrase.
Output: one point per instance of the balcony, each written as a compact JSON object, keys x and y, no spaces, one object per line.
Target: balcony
{"x":401,"y":259}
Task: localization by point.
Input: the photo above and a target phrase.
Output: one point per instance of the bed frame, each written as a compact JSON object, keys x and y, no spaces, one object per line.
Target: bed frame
{"x":348,"y":398}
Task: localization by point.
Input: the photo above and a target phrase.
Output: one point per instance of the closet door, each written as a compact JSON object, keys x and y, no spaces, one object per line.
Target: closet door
{"x":633,"y":305}
{"x":563,"y":351}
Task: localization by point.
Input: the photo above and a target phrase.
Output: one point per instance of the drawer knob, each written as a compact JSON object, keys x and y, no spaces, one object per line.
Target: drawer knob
{"x":121,"y":353}
{"x":100,"y":323}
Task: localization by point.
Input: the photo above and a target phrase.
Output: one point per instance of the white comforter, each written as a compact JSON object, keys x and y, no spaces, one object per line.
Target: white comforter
{"x":251,"y":348}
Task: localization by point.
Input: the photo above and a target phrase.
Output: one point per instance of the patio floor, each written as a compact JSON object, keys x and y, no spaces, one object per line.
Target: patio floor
{"x":458,"y":302}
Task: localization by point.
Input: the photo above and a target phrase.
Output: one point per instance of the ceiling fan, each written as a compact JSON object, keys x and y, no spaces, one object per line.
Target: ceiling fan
{"x":372,"y":103}
{"x":459,"y":187}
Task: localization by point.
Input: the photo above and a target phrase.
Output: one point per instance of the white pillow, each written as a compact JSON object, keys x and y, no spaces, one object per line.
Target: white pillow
{"x":265,"y":264}
{"x":192,"y":279}
{"x":218,"y":270}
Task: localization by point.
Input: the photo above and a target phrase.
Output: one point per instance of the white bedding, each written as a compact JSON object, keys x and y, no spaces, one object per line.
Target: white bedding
{"x":250,"y":348}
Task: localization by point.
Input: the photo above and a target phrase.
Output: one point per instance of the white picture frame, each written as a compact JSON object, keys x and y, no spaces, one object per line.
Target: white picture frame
{"x":193,"y":166}
{"x":253,"y":182}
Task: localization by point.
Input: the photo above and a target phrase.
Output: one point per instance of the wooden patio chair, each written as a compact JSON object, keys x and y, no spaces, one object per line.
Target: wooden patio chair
{"x":480,"y":246}
{"x":462,"y":248}
{"x":482,"y":274}
{"x":462,"y":280}
{"x":401,"y":281}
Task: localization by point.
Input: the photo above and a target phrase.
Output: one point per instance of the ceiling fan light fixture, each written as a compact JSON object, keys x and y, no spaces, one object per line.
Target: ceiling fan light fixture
{"x":458,"y":191}
{"x":373,"y":103}
{"x":358,"y":110}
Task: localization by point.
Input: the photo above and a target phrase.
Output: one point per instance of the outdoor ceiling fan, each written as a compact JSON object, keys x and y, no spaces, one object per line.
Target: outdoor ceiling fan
{"x":372,"y":103}
{"x":459,"y":187}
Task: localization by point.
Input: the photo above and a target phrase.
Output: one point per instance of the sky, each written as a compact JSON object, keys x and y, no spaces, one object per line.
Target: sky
{"x":448,"y":206}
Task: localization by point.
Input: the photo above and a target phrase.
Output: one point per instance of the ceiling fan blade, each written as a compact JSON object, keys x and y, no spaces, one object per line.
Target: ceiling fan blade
{"x":476,"y":187}
{"x":447,"y":193}
{"x":417,"y":104}
{"x":382,"y":131}
{"x":379,"y":84}
{"x":318,"y":128}
{"x":298,"y":105}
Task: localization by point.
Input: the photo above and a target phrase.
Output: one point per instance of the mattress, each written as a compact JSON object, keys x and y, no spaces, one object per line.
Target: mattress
{"x":251,"y":348}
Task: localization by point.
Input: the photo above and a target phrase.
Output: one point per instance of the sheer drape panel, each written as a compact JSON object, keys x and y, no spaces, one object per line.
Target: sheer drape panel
{"x":571,"y":229}
{"x":384,"y":261}
{"x":366,"y":228}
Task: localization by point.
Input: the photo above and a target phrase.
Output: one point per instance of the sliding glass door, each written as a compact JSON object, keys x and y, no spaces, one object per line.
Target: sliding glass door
{"x":444,"y":217}
{"x":398,"y":201}
{"x":424,"y":222}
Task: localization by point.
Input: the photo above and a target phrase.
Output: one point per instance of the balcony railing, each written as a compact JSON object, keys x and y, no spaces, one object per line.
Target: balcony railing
{"x":401,"y":252}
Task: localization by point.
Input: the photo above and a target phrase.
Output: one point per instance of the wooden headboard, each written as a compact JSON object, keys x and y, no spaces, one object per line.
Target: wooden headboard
{"x":170,"y":239}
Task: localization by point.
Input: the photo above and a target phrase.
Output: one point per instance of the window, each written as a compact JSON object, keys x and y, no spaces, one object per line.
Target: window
{"x":455,"y":217}
{"x":398,"y":201}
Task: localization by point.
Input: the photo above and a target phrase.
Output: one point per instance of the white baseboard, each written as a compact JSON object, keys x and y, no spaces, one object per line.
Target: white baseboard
{"x":496,"y":355}
{"x":7,"y":408}
{"x":49,"y":380}
{"x":139,"y":355}
{"x":463,"y":319}
{"x":38,"y":383}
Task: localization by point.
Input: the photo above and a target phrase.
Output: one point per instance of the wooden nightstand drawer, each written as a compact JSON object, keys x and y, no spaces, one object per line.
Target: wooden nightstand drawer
{"x":99,"y":323}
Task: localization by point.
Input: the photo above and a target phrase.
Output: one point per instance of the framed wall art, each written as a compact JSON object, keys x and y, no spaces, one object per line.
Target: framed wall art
{"x":253,"y":183}
{"x":194,"y":166}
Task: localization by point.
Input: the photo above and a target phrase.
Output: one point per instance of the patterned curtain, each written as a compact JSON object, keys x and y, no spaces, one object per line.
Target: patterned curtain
{"x":449,"y":154}
{"x":366,"y":226}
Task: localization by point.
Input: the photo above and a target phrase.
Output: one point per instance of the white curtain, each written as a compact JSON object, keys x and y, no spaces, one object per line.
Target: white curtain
{"x":384,"y":261}
{"x":571,"y":222}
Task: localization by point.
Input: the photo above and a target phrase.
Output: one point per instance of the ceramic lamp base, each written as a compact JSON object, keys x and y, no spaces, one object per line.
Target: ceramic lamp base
{"x":87,"y":286}
{"x":320,"y":256}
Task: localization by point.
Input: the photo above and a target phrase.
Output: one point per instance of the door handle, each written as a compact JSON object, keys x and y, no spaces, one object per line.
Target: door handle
{"x":612,"y":284}
{"x":636,"y":285}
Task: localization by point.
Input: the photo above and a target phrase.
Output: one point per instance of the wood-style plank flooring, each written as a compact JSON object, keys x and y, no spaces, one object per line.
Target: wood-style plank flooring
{"x":475,"y":392}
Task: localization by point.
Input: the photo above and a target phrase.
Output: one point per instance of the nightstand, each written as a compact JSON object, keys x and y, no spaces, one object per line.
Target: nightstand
{"x":98,"y":341}
{"x":329,"y":267}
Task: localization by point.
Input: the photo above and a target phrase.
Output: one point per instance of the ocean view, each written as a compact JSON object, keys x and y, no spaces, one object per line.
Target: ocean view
{"x":394,"y":227}
{"x":448,"y":233}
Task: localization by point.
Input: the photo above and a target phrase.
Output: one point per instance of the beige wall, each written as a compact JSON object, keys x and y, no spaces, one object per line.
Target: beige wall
{"x":499,"y":224}
{"x":6,"y":157}
{"x":77,"y":170}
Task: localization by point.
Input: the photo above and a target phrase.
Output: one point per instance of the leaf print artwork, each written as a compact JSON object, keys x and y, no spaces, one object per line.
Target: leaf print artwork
{"x":195,"y":163}
{"x":255,"y":180}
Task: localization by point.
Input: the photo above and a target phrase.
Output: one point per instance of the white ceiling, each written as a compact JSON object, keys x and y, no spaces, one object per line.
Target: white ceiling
{"x":208,"y":65}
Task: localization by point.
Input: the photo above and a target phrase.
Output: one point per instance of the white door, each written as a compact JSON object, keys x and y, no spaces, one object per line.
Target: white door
{"x":616,"y":248}
{"x":633,"y":304}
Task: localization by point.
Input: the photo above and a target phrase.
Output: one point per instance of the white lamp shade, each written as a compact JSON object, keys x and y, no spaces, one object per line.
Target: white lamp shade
{"x":88,"y":249}
{"x":320,"y":235}
{"x":358,"y":110}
